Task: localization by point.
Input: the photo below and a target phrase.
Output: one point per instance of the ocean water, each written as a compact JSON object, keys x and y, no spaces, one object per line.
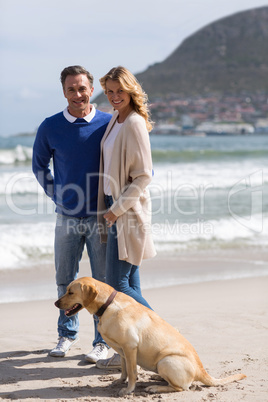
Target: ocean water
{"x":208,"y":193}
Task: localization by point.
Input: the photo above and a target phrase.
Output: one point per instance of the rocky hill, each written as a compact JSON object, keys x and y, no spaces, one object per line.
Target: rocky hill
{"x":229,"y":55}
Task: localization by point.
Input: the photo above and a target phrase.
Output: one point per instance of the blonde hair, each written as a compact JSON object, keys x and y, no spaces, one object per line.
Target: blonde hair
{"x":129,"y":84}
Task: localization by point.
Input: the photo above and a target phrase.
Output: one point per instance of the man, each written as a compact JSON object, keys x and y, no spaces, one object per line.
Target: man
{"x":72,"y":139}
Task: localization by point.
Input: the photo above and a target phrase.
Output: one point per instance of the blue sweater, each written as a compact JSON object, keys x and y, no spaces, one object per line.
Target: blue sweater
{"x":75,"y":150}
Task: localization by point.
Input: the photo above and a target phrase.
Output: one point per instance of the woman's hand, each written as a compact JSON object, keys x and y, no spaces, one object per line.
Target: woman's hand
{"x":110,"y":218}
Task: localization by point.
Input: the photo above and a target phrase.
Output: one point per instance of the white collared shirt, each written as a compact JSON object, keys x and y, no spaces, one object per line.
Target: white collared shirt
{"x":72,"y":119}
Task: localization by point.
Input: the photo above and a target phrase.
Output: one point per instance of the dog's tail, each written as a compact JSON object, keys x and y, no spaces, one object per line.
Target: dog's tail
{"x":206,"y":379}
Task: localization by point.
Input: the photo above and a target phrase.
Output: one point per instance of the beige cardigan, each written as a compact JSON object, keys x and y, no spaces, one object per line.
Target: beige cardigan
{"x":132,"y":204}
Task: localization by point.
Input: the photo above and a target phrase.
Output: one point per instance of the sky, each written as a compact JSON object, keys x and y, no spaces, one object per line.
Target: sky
{"x":39,"y":38}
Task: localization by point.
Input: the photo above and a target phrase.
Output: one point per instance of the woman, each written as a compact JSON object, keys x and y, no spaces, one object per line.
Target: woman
{"x":125,"y":172}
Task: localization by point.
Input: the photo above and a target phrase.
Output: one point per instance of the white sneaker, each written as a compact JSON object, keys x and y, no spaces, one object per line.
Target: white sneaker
{"x":113,"y":363}
{"x":100,"y":351}
{"x":63,"y":346}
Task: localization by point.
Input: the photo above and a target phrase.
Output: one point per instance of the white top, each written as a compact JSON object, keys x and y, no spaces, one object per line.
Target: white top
{"x":107,"y":156}
{"x":72,"y":119}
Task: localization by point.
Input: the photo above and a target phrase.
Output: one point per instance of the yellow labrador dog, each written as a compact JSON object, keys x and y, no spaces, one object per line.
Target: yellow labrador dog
{"x":140,"y":336}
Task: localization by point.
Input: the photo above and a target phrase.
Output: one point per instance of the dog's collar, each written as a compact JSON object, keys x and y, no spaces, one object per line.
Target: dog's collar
{"x":107,"y":304}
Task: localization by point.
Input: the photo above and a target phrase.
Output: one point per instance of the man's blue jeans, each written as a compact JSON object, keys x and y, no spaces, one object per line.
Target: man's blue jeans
{"x":71,"y":235}
{"x":120,"y":274}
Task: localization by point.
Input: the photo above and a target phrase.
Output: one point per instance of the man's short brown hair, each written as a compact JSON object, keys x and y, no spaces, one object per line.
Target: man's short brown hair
{"x":75,"y":70}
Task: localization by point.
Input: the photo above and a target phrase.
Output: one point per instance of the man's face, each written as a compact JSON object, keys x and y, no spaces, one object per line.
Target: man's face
{"x":77,"y":91}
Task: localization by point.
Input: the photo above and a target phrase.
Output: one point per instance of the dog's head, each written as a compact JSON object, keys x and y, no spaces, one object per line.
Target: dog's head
{"x":80,"y":293}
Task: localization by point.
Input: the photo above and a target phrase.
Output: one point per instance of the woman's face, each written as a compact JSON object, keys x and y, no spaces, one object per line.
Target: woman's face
{"x":119,"y":99}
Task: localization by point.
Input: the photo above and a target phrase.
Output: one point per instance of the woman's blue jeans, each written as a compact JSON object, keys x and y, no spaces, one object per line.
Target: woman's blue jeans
{"x":71,"y":235}
{"x":121,"y":275}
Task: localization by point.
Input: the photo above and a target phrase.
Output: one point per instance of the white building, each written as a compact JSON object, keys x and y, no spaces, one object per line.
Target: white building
{"x":215,"y":128}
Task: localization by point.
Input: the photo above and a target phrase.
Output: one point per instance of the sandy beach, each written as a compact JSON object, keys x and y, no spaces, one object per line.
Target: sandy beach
{"x":225,"y":320}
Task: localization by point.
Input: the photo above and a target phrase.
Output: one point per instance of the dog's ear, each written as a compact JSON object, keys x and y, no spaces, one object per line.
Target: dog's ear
{"x":89,"y":293}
